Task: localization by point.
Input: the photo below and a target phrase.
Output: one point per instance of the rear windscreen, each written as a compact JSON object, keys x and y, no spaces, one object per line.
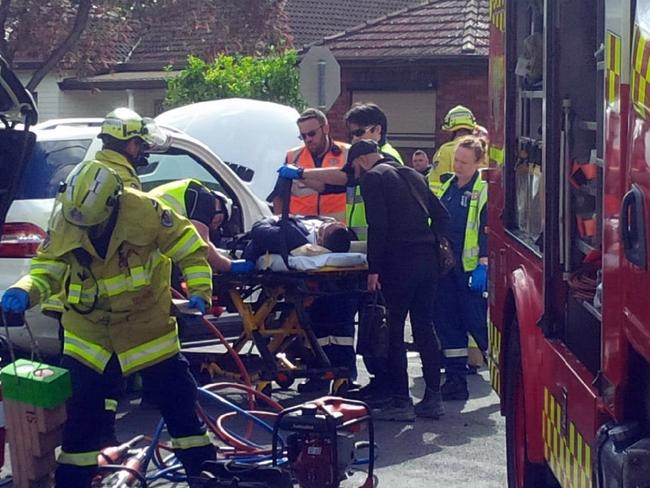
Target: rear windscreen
{"x":50,"y":163}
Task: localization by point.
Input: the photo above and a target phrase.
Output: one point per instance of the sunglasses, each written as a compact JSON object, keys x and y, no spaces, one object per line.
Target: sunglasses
{"x":361,"y":131}
{"x":310,"y":134}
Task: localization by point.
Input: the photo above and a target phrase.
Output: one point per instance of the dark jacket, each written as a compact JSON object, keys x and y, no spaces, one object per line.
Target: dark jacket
{"x":275,"y":237}
{"x":398,"y":227}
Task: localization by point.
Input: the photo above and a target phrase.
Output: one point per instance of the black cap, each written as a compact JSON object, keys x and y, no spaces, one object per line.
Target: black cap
{"x":360,"y":148}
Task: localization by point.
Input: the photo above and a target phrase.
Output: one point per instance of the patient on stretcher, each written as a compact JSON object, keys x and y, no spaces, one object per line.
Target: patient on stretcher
{"x":301,"y":243}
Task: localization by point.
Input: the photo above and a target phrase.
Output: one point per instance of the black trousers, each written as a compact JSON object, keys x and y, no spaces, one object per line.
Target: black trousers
{"x":171,"y":387}
{"x":408,"y":288}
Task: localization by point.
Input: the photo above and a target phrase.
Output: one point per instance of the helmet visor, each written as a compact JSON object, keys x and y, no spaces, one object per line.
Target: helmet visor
{"x":152,"y":134}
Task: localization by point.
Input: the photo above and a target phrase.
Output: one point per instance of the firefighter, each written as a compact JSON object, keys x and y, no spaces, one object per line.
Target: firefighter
{"x":125,"y":137}
{"x":209,"y":211}
{"x":116,"y":246}
{"x":460,"y":121}
{"x":460,"y":302}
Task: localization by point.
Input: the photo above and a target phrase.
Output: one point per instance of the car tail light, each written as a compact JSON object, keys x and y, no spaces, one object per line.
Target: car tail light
{"x":20,"y":240}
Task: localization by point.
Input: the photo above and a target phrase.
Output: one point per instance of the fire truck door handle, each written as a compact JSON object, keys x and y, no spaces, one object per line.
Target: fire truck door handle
{"x":633,"y":227}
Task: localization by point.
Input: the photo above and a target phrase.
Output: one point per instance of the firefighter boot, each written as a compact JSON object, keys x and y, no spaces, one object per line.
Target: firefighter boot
{"x":431,"y":405}
{"x":455,"y":388}
{"x":398,"y":410}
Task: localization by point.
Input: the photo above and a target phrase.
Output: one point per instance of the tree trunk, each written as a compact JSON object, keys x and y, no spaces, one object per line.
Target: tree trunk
{"x":4,"y":15}
{"x":80,"y":22}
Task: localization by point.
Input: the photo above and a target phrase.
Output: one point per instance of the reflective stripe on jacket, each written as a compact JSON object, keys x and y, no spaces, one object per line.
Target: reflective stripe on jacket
{"x":332,"y":205}
{"x":121,"y":303}
{"x":355,"y":209}
{"x":125,"y":170}
{"x":476,"y":205}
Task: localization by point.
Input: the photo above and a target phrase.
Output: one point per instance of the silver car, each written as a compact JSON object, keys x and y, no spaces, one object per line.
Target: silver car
{"x":58,"y":149}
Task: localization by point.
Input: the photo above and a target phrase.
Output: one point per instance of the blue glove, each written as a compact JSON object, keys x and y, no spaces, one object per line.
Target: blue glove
{"x":15,"y":300}
{"x":197,"y":303}
{"x":478,"y":279}
{"x":242,"y":266}
{"x":290,"y":172}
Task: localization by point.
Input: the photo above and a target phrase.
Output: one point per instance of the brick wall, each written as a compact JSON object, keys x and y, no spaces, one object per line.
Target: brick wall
{"x":465,"y":84}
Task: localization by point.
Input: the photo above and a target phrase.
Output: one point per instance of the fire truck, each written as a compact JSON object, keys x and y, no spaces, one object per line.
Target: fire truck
{"x":569,"y":225}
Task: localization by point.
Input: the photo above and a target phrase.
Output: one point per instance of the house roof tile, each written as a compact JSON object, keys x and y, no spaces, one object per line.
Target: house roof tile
{"x":436,"y":28}
{"x":311,"y":20}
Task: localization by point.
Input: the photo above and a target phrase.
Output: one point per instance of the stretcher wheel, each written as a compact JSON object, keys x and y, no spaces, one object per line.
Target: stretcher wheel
{"x":340,"y":386}
{"x":284,"y":380}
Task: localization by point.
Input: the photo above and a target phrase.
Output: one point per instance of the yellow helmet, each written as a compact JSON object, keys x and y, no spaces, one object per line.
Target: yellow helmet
{"x":459,"y":117}
{"x":124,"y":124}
{"x":89,"y":194}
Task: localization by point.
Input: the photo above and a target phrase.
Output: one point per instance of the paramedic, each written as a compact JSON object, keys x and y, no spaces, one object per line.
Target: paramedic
{"x":460,"y":302}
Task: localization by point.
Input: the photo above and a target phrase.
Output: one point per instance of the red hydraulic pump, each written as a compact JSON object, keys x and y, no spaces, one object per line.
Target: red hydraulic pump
{"x":322,"y":441}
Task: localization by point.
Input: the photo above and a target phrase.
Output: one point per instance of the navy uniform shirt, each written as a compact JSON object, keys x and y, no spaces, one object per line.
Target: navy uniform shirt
{"x":457,"y":201}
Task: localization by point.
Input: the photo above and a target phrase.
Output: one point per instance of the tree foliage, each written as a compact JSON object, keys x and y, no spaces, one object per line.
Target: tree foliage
{"x":48,"y":32}
{"x":274,"y":78}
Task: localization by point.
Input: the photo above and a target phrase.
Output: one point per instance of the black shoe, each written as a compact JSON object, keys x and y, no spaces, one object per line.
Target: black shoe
{"x":366,"y":392}
{"x":454,"y":389}
{"x":314,"y":386}
{"x":431,"y":405}
{"x":396,"y":411}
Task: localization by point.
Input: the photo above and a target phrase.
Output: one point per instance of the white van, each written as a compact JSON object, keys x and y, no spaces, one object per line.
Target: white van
{"x":245,"y":133}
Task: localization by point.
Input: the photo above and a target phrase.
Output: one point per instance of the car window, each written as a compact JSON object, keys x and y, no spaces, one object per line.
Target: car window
{"x":163,"y":168}
{"x":50,"y":163}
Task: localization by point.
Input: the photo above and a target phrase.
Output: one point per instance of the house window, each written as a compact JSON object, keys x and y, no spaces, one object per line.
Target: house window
{"x":158,"y":106}
{"x":411,"y":116}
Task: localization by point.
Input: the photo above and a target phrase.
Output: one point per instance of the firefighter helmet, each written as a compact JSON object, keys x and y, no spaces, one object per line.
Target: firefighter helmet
{"x":459,"y":117}
{"x":226,"y":204}
{"x":89,"y":194}
{"x":124,"y":124}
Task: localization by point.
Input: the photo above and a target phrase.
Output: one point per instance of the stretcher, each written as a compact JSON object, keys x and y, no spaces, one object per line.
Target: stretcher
{"x":277,"y":342}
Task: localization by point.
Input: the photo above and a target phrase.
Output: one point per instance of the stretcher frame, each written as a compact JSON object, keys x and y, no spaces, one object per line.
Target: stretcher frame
{"x":289,"y":294}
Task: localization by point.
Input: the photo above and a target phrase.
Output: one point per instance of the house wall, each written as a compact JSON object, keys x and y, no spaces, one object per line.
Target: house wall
{"x":454,"y":83}
{"x":53,"y":103}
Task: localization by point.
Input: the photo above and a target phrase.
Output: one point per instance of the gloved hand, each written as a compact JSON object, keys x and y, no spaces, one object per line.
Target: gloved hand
{"x":198,"y":303}
{"x":478,"y":279}
{"x":242,"y":266}
{"x":15,"y":300}
{"x":290,"y":172}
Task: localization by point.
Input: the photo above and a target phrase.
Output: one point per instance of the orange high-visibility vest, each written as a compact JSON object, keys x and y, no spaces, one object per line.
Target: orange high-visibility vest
{"x":314,"y":203}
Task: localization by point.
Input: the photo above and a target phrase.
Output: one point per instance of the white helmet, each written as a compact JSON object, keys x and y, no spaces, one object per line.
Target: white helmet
{"x":226,"y":203}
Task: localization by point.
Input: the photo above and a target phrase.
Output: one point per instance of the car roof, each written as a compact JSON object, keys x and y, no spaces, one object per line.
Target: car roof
{"x":72,"y":122}
{"x":66,"y":133}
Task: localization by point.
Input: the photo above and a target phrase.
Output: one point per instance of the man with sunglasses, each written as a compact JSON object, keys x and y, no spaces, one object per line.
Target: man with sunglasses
{"x":364,"y":121}
{"x":335,"y":331}
{"x":318,"y":150}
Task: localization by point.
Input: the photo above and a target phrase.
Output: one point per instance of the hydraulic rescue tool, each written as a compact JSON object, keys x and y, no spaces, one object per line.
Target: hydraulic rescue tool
{"x":321,"y":443}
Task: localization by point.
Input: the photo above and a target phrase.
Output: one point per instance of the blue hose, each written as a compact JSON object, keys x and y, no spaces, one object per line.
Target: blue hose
{"x":169,"y":473}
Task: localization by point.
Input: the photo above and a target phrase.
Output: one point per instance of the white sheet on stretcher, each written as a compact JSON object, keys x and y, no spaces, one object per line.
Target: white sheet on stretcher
{"x":274,"y":262}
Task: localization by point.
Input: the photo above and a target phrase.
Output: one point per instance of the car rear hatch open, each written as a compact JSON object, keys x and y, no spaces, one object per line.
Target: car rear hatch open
{"x":17,"y":109}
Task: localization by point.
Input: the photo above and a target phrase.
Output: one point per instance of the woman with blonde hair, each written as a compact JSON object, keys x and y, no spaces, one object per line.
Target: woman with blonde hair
{"x":460,"y":301}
